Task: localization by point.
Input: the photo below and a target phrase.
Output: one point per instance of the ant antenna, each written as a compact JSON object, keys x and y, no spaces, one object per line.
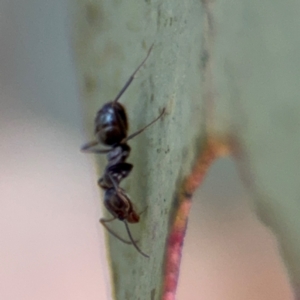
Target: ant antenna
{"x":133,"y":242}
{"x":104,"y":221}
{"x":127,"y":84}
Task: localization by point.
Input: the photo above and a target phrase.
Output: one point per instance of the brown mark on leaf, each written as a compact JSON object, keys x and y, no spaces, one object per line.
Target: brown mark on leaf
{"x":90,"y":84}
{"x":94,"y":14}
{"x":153,"y":294}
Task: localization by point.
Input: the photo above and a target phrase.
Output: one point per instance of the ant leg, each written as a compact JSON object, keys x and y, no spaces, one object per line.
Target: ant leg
{"x":141,"y":130}
{"x":127,"y":84}
{"x":133,"y":242}
{"x":104,"y":221}
{"x":87,"y":148}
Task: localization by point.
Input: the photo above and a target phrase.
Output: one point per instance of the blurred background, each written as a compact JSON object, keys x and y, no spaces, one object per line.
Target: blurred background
{"x":52,"y":246}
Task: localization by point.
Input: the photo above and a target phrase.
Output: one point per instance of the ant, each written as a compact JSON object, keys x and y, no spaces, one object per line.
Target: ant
{"x":111,"y":129}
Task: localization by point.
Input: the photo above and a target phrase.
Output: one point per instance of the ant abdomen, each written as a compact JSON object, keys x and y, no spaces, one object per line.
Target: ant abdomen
{"x":111,"y":124}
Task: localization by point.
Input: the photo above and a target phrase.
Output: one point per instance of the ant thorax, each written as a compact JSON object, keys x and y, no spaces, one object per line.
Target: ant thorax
{"x":116,"y":173}
{"x":118,"y":154}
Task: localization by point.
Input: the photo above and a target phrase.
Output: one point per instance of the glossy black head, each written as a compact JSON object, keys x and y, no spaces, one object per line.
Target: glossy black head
{"x":111,"y":124}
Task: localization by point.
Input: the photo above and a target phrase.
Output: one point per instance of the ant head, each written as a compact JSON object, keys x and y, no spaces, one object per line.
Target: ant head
{"x":133,"y":217}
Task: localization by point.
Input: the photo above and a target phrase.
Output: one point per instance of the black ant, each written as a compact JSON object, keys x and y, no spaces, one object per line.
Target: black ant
{"x":111,"y":128}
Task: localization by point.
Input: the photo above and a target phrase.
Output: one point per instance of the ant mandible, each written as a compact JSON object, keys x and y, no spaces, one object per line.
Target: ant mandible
{"x":111,"y":129}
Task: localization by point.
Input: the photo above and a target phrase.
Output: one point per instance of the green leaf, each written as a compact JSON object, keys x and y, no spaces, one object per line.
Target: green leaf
{"x":228,"y":75}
